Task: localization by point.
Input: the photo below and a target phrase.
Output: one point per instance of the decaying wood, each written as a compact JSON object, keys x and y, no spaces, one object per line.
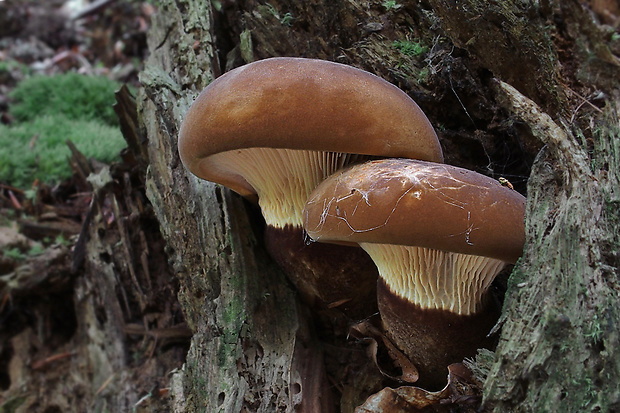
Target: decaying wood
{"x":553,"y":53}
{"x":558,"y":343}
{"x":560,"y":330}
{"x":500,"y":81}
{"x":88,"y":324}
{"x":251,"y":349}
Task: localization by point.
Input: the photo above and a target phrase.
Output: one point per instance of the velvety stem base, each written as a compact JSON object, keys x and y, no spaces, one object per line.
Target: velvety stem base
{"x":327,"y":276}
{"x":433,"y":339}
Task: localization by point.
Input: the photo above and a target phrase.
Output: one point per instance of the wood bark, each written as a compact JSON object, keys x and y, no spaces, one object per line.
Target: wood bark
{"x":246,"y":323}
{"x":558,"y":349}
{"x":500,"y":81}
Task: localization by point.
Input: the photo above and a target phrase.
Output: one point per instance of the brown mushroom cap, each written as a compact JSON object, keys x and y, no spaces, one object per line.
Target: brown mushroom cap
{"x":416,"y":203}
{"x":300,"y":104}
{"x":438,"y":234}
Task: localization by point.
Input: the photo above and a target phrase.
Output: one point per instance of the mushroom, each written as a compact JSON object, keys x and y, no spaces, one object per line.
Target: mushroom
{"x":273,"y":129}
{"x":439,"y":235}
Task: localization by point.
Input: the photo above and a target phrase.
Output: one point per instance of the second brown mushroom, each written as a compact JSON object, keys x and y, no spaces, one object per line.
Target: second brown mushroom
{"x":439,"y":235}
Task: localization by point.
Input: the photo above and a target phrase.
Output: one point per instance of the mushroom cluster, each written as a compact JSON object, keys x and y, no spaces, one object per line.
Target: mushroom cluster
{"x":274,"y":129}
{"x":439,"y":235}
{"x":342,"y":156}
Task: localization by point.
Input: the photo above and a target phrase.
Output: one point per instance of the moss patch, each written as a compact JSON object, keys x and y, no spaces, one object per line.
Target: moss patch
{"x":37,"y":149}
{"x":72,"y":95}
{"x":48,"y":111}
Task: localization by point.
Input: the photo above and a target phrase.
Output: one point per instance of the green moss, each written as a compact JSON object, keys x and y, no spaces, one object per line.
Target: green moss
{"x":72,"y":95}
{"x":38,"y":150}
{"x":481,"y":364}
{"x":409,"y":47}
{"x":225,"y":354}
{"x":422,"y":77}
{"x":8,"y":67}
{"x":285,"y":20}
{"x":391,"y":4}
{"x":12,"y":404}
{"x":36,"y":249}
{"x":48,"y":111}
{"x":13,"y":253}
{"x":584,"y":393}
{"x":232,"y":318}
{"x":594,"y":330}
{"x":517,"y":277}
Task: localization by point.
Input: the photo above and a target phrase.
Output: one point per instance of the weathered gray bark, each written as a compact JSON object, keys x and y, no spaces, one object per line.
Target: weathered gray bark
{"x":559,"y":336}
{"x":245,"y":319}
{"x":559,"y":342}
{"x":558,"y":346}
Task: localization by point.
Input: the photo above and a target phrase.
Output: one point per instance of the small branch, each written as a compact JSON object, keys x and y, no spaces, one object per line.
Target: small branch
{"x":558,"y":138}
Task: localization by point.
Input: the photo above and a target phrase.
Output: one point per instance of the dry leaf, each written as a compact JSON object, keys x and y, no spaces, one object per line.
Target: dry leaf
{"x":366,"y":331}
{"x":462,"y":390}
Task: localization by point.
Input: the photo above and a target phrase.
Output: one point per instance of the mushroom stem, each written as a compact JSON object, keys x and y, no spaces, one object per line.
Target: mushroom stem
{"x":434,"y":305}
{"x":433,"y":338}
{"x":352,"y":276}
